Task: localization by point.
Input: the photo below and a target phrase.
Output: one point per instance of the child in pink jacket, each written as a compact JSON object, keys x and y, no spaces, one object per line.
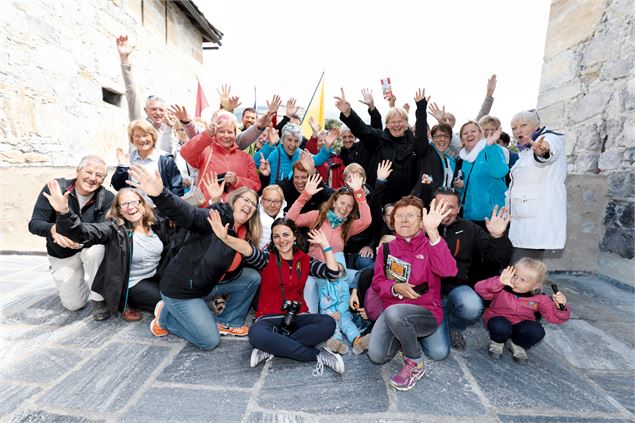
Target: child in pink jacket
{"x":515,"y":298}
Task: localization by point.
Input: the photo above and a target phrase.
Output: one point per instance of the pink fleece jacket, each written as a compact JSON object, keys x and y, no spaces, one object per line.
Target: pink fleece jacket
{"x":517,"y":309}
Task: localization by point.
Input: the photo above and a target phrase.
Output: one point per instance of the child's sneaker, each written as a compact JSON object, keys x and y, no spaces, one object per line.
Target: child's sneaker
{"x":360,"y":344}
{"x":518,"y":352}
{"x":226,"y":330}
{"x":154,"y":324}
{"x":258,"y":356}
{"x":410,"y":373}
{"x":329,"y":359}
{"x":337,"y":346}
{"x":495,"y":349}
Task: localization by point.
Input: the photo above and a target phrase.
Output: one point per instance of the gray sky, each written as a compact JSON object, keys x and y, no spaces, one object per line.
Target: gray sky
{"x":449,"y":47}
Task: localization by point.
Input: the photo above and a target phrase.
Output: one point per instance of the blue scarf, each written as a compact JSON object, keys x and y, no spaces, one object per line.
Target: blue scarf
{"x":334,"y":220}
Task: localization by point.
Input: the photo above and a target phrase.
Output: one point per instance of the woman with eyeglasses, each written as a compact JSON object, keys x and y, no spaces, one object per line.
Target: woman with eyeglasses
{"x":537,"y":194}
{"x":201,"y":266}
{"x":408,"y":283}
{"x":272,"y":206}
{"x":135,"y":240}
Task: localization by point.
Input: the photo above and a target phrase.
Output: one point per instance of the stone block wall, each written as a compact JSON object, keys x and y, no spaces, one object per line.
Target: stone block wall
{"x":587,"y":91}
{"x":57,"y":57}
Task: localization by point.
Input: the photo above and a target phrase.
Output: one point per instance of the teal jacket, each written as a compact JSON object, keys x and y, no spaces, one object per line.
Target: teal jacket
{"x":484,"y":183}
{"x":280,"y":162}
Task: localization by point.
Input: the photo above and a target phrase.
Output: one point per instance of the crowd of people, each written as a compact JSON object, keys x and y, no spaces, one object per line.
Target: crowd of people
{"x":387,"y":238}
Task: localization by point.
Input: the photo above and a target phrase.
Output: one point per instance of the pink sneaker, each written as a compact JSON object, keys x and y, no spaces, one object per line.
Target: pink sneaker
{"x":408,"y":376}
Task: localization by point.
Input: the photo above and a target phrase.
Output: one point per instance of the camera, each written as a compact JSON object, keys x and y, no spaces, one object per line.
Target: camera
{"x":291,"y":308}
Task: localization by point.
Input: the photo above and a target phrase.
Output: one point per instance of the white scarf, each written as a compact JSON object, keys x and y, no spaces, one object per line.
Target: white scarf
{"x":472,"y":155}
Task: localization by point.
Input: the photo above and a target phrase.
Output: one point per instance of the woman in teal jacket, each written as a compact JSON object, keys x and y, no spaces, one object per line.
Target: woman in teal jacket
{"x":483,"y":167}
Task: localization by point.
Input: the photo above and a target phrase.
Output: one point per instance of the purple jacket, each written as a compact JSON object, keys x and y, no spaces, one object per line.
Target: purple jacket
{"x":517,"y":309}
{"x":427,"y":264}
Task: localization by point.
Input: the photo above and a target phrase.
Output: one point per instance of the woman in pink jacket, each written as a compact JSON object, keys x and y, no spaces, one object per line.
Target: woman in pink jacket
{"x":344,"y":214}
{"x":215,"y":150}
{"x":515,"y":298}
{"x":408,"y":282}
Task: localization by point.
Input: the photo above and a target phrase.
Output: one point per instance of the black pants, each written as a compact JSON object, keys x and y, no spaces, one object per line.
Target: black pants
{"x":144,"y":295}
{"x":309,"y":331}
{"x":525,"y":334}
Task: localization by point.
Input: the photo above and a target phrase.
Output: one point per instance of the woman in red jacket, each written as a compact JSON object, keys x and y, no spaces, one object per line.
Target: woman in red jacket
{"x":283,"y":325}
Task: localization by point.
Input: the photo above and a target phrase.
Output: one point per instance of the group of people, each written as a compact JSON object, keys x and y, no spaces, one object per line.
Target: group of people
{"x":408,"y":235}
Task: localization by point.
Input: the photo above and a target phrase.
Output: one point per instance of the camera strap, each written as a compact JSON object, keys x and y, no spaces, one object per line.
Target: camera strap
{"x":298,"y":271}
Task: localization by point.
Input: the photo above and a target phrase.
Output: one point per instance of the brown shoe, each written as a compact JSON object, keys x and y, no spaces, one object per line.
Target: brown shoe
{"x":131,"y":315}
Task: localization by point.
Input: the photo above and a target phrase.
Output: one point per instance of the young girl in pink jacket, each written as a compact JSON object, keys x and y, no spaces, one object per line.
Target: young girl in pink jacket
{"x":515,"y":298}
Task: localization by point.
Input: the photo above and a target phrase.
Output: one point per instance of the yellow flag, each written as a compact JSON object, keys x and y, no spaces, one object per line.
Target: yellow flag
{"x":315,"y":109}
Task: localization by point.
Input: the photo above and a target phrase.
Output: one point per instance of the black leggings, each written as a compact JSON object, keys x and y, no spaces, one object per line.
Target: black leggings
{"x":525,"y":334}
{"x":144,"y":295}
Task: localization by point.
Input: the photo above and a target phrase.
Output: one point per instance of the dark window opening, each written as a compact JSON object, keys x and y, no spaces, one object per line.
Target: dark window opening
{"x":111,"y":96}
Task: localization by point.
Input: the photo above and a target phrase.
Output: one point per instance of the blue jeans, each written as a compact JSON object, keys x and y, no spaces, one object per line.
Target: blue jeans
{"x":357,"y":262}
{"x":525,"y":334}
{"x":190,"y":319}
{"x":461,"y":308}
{"x":241,"y":291}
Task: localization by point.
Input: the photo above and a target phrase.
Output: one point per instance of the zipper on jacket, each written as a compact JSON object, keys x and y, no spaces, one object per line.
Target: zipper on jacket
{"x":125,"y":304}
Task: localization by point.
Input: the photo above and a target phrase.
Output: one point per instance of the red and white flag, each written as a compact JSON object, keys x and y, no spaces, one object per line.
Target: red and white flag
{"x":201,"y":101}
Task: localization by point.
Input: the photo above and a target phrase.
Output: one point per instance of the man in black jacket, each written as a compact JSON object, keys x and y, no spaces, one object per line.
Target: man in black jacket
{"x":73,"y":265}
{"x":467,"y":242}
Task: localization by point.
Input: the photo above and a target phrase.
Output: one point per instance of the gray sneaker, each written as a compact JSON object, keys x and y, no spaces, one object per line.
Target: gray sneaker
{"x":258,"y":356}
{"x":519,"y":354}
{"x":495,"y":349}
{"x":458,"y":340}
{"x":329,"y":359}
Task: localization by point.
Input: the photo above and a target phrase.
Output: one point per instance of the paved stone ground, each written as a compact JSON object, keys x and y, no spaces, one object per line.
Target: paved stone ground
{"x":58,"y":366}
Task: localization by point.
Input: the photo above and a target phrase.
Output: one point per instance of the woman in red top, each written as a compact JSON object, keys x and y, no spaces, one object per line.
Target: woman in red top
{"x":283,"y":326}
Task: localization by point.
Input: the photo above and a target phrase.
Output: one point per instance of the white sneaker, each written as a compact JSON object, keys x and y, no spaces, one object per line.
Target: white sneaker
{"x":495,"y":349}
{"x":519,"y":354}
{"x":258,"y":356}
{"x":329,"y":359}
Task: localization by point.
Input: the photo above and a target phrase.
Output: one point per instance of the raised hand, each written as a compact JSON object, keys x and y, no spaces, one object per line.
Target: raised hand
{"x":437,"y":113}
{"x":150,"y":183}
{"x":343,"y":105}
{"x":214,"y":189}
{"x":232,"y":103}
{"x":392,"y":100}
{"x":315,"y":127}
{"x":497,"y":224}
{"x":312,"y":186}
{"x":212,"y":127}
{"x":507,"y":275}
{"x":384,"y":169}
{"x":306,"y":159}
{"x":292,"y":108}
{"x":432,"y":219}
{"x":124,"y":48}
{"x":179,"y":112}
{"x":223,"y":93}
{"x":406,"y":106}
{"x":420,"y":94}
{"x":492,"y":138}
{"x":216,"y":223}
{"x":367,"y":98}
{"x":170,"y":120}
{"x":316,"y":236}
{"x":330,"y":137}
{"x":540,"y":147}
{"x":275,"y":103}
{"x":356,"y":181}
{"x":264,"y":168}
{"x":122,"y":157}
{"x":491,"y":86}
{"x":57,"y":200}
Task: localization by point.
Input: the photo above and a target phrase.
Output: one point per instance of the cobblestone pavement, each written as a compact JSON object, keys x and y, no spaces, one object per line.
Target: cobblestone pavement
{"x":61,"y":366}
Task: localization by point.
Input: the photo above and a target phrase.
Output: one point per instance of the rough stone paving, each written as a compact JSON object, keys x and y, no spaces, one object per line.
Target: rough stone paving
{"x":59,"y":366}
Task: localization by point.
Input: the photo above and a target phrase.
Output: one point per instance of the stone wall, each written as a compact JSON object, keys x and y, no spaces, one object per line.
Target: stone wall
{"x":587,"y":90}
{"x":57,"y":57}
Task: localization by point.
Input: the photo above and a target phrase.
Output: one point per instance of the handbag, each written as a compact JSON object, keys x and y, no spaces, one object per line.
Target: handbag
{"x":195,"y":196}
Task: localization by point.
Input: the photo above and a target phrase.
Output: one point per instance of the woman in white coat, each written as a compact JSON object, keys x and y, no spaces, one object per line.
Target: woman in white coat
{"x":537,"y":195}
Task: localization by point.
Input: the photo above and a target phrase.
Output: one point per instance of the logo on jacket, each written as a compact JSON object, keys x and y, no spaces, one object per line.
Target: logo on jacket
{"x":531,"y":304}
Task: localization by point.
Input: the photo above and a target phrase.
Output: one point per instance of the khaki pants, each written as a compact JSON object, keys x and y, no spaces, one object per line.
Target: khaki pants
{"x":74,"y":276}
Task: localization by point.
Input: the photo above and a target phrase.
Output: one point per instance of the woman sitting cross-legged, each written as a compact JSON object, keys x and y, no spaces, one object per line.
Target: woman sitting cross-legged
{"x":408,"y":283}
{"x":283,"y":326}
{"x":203,"y":266}
{"x":127,"y":276}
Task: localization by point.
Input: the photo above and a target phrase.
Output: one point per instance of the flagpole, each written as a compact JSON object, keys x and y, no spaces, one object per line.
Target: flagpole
{"x":313,"y":96}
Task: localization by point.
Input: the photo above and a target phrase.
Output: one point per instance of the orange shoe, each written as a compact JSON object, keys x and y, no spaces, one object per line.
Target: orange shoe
{"x":154,"y":324}
{"x":226,"y":330}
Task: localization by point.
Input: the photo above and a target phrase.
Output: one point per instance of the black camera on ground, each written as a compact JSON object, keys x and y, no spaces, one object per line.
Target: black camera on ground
{"x":291,"y":308}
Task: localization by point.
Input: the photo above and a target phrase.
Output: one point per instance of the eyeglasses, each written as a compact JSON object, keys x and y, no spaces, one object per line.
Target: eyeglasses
{"x":133,"y":203}
{"x":271,"y":202}
{"x":344,"y":189}
{"x":407,"y":216}
{"x":249,"y":201}
{"x":441,"y":137}
{"x":97,"y":176}
{"x":536,"y":112}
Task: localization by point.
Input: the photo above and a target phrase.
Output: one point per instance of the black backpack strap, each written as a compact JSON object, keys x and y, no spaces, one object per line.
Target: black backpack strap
{"x":386,"y":252}
{"x":99,"y":204}
{"x":457,"y":167}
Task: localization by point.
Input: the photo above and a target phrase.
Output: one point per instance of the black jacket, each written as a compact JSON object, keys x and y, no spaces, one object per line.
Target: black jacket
{"x":111,"y":280}
{"x":467,"y":241}
{"x":44,"y":216}
{"x":170,"y":175}
{"x":365,"y":237}
{"x":200,"y":262}
{"x":358,"y":152}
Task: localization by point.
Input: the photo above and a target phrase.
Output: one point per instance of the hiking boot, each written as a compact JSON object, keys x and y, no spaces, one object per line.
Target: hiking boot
{"x":457,"y":340}
{"x":337,"y":346}
{"x":410,"y":373}
{"x":226,"y":330}
{"x":100,"y":310}
{"x":329,"y":359}
{"x":155,"y":328}
{"x":519,"y":354}
{"x":131,"y":315}
{"x":360,"y":344}
{"x":495,"y":349}
{"x":258,"y":356}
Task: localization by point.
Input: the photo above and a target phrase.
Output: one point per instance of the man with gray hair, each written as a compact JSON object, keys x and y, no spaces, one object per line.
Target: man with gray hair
{"x":73,"y":265}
